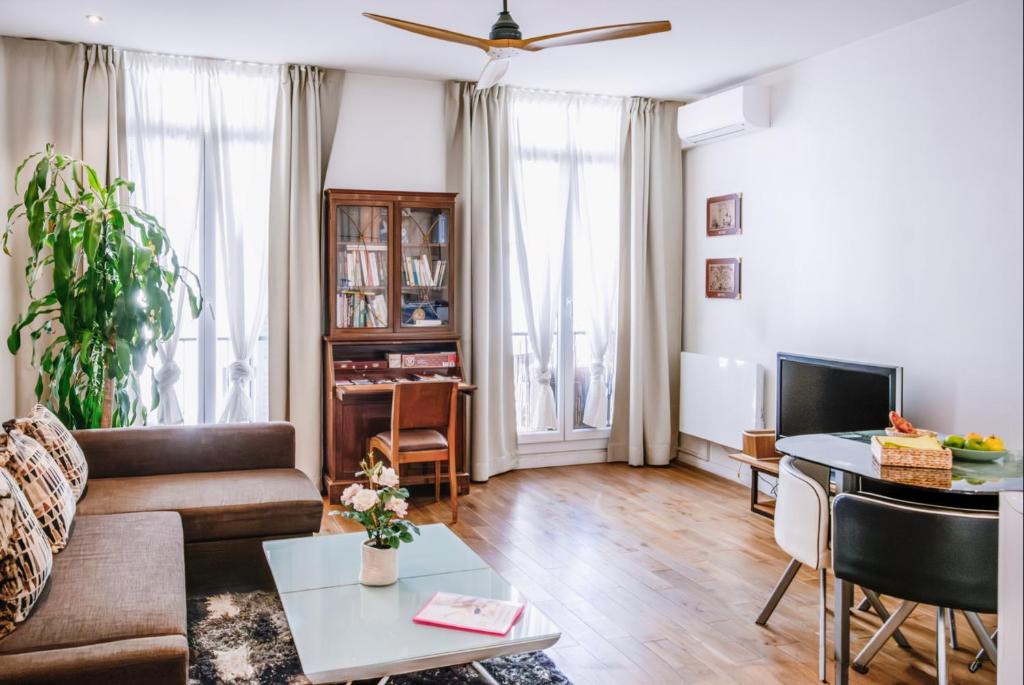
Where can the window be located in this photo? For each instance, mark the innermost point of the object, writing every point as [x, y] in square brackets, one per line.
[566, 185]
[198, 146]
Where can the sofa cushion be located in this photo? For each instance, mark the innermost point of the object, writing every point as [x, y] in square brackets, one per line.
[159, 660]
[218, 505]
[42, 482]
[120, 577]
[42, 426]
[26, 561]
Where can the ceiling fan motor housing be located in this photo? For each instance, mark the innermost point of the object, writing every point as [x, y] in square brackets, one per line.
[505, 28]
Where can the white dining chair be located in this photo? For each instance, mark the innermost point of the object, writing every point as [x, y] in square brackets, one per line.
[802, 531]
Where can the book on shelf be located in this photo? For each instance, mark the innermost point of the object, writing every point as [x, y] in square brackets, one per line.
[417, 271]
[366, 265]
[475, 614]
[356, 309]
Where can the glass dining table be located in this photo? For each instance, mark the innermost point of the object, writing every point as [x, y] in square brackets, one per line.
[849, 457]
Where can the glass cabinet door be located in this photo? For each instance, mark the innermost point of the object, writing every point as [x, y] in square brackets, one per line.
[361, 267]
[425, 262]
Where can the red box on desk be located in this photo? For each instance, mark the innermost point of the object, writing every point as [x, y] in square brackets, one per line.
[433, 360]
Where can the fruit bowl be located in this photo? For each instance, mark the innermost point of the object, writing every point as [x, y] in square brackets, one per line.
[977, 455]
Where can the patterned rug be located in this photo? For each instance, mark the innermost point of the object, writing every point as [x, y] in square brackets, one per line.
[237, 638]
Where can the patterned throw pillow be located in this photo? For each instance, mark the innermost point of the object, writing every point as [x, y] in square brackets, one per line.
[46, 429]
[42, 482]
[25, 557]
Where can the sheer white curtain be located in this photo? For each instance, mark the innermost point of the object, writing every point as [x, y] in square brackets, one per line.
[597, 126]
[565, 186]
[164, 148]
[199, 135]
[540, 187]
[242, 100]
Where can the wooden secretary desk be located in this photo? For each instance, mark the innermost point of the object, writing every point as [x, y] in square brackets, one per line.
[390, 315]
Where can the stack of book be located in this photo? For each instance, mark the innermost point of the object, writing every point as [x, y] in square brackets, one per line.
[417, 271]
[366, 265]
[361, 310]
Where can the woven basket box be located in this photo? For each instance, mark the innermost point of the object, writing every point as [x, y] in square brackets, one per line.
[914, 458]
[909, 475]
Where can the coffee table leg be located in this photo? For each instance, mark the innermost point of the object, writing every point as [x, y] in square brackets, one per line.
[488, 678]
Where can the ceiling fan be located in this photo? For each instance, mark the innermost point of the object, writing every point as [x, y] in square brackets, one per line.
[506, 41]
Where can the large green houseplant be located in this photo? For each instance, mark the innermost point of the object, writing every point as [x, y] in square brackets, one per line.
[109, 275]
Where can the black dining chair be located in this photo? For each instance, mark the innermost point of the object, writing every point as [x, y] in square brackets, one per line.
[922, 555]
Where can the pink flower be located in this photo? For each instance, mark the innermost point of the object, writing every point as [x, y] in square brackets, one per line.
[387, 478]
[350, 492]
[364, 500]
[399, 506]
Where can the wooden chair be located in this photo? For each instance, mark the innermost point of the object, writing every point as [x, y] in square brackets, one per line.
[423, 422]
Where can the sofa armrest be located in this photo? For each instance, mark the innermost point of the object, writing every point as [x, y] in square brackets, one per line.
[157, 450]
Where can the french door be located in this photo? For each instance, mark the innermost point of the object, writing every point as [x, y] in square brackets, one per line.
[566, 228]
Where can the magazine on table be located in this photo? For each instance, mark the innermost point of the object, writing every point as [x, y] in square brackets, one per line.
[475, 614]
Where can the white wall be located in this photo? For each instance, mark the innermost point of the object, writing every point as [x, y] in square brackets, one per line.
[7, 318]
[882, 219]
[390, 135]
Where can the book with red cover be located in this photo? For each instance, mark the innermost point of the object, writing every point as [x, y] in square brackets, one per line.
[475, 614]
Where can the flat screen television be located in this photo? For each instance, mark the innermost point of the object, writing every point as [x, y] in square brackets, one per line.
[815, 395]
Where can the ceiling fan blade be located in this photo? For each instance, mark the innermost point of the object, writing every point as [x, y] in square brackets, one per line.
[596, 34]
[431, 31]
[493, 72]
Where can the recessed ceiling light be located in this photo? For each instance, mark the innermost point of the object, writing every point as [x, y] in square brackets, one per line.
[94, 18]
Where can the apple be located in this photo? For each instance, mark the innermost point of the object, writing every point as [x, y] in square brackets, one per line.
[976, 444]
[954, 441]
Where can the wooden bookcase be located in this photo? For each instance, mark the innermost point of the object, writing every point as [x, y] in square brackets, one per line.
[389, 286]
[391, 265]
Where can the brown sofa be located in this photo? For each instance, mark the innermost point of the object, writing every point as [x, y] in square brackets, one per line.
[165, 509]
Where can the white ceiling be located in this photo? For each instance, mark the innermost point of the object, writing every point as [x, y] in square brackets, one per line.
[713, 43]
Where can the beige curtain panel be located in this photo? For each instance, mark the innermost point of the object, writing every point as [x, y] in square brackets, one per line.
[645, 405]
[478, 166]
[307, 115]
[56, 93]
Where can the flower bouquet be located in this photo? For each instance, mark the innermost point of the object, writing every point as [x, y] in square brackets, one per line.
[380, 507]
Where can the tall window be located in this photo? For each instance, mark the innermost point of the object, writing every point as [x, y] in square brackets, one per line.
[566, 185]
[198, 139]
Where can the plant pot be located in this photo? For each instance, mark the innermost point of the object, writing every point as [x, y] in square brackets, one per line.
[379, 566]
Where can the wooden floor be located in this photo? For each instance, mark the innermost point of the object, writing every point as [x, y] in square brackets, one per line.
[655, 575]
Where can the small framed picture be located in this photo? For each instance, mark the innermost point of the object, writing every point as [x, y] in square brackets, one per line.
[724, 215]
[722, 278]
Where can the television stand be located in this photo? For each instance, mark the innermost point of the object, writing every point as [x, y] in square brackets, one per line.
[768, 467]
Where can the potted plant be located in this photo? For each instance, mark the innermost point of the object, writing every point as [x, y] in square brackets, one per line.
[108, 276]
[380, 507]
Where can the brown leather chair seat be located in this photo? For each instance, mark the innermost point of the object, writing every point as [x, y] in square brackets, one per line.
[416, 439]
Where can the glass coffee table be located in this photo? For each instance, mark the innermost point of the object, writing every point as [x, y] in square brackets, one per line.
[345, 631]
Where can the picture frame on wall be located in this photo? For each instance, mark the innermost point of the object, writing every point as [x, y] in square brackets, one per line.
[724, 215]
[722, 278]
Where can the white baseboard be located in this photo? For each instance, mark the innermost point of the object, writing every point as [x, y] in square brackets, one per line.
[573, 458]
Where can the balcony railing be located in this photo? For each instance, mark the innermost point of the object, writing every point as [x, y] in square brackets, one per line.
[523, 362]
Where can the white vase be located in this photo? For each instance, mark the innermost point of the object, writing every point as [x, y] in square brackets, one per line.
[379, 567]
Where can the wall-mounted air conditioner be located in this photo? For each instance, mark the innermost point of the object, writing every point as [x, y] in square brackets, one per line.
[729, 113]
